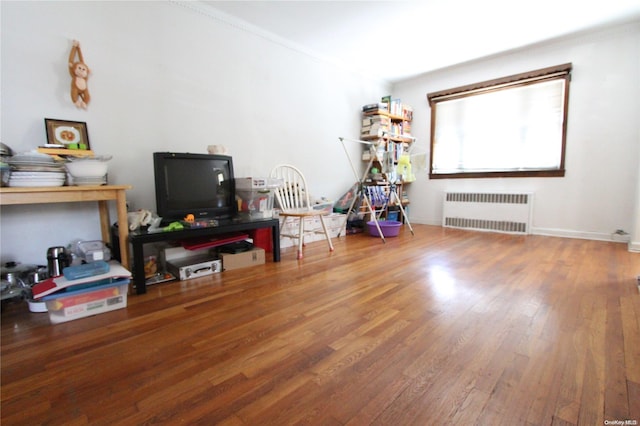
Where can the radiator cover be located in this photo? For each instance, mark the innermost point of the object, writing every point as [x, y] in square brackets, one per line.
[496, 212]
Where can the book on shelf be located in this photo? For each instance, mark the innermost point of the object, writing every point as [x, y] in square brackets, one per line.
[373, 131]
[375, 119]
[395, 107]
[386, 100]
[407, 112]
[377, 124]
[375, 107]
[390, 106]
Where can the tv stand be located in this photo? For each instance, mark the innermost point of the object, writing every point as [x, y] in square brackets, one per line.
[141, 237]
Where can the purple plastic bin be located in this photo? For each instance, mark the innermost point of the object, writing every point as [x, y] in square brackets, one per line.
[389, 228]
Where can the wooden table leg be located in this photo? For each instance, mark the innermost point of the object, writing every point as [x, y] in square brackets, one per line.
[103, 208]
[123, 229]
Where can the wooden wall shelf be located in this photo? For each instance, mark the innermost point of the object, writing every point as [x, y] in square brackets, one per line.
[63, 152]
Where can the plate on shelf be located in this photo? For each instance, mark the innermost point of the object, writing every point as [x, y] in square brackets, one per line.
[38, 174]
[32, 157]
[34, 163]
[67, 135]
[31, 166]
[30, 183]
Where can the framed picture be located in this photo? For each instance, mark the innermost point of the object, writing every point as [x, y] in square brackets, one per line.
[67, 134]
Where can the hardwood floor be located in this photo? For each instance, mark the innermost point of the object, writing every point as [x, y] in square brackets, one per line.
[448, 327]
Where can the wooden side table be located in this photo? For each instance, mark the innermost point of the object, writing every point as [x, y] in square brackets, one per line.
[74, 194]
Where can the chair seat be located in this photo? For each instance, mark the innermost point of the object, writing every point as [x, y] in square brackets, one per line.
[304, 212]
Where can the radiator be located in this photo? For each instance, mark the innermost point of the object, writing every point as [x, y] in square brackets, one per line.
[497, 212]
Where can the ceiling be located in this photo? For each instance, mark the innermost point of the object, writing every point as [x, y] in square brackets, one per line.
[395, 40]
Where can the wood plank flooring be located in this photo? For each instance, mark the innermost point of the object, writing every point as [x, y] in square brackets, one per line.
[444, 327]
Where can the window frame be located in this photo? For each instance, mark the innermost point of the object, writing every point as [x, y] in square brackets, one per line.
[557, 72]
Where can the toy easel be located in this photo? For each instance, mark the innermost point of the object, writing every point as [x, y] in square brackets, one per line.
[393, 194]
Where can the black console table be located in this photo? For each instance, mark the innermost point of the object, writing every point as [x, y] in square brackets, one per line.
[141, 237]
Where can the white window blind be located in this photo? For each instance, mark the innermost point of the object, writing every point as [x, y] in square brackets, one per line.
[505, 127]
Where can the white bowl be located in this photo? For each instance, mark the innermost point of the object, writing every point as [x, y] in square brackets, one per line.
[85, 168]
[37, 306]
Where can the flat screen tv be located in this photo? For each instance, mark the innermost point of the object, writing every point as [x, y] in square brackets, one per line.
[198, 184]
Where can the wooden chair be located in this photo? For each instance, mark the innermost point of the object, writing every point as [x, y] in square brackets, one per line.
[293, 199]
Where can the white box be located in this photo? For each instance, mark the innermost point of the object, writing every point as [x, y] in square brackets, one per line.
[336, 225]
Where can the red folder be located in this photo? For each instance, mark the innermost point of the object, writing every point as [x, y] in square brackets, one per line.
[207, 242]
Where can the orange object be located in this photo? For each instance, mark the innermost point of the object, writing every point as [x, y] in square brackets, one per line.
[189, 218]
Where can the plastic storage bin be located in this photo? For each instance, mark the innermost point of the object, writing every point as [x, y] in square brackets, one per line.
[87, 301]
[256, 194]
[92, 251]
[244, 183]
[393, 216]
[257, 202]
[325, 206]
[389, 228]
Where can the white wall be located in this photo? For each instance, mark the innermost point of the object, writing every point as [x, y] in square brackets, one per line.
[166, 78]
[170, 77]
[598, 194]
[634, 243]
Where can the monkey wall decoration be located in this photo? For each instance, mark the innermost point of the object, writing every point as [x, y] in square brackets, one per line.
[79, 75]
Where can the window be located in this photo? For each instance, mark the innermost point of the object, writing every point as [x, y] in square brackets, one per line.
[508, 127]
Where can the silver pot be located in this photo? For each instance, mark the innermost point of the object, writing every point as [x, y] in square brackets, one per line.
[15, 280]
[39, 274]
[24, 275]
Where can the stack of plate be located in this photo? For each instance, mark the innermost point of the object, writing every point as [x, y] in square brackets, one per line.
[35, 169]
[88, 181]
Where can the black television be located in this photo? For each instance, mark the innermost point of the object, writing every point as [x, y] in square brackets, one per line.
[198, 184]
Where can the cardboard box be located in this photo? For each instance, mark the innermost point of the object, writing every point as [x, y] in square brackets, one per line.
[253, 257]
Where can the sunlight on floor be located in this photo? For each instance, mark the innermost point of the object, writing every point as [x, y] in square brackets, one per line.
[442, 283]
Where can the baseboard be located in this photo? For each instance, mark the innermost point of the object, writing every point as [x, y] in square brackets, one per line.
[634, 246]
[552, 232]
[424, 221]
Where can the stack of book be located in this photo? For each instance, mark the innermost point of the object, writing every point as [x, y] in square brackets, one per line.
[375, 125]
[387, 117]
[376, 108]
[84, 290]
